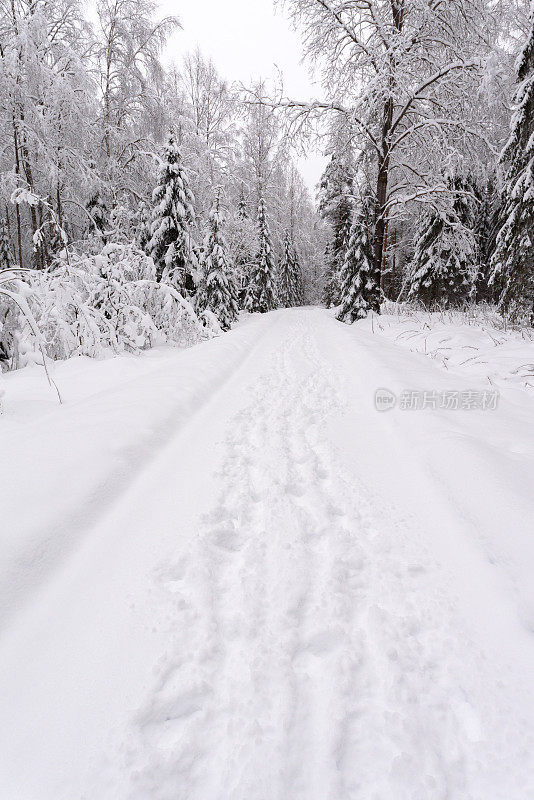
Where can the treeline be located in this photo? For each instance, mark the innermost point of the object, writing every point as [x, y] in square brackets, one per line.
[137, 202]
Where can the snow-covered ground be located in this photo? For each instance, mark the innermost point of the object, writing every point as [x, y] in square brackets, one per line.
[226, 576]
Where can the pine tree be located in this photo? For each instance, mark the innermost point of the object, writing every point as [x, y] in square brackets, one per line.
[513, 260]
[360, 286]
[6, 257]
[261, 290]
[216, 291]
[288, 276]
[172, 217]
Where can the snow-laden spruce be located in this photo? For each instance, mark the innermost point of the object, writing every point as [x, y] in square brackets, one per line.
[172, 217]
[444, 265]
[217, 291]
[98, 211]
[360, 286]
[298, 278]
[514, 256]
[261, 289]
[439, 276]
[289, 279]
[335, 206]
[244, 238]
[6, 257]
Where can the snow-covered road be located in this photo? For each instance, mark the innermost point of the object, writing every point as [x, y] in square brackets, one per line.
[295, 597]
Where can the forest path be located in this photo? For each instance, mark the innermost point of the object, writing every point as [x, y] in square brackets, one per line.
[293, 634]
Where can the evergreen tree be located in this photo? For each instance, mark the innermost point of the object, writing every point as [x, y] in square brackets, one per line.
[486, 229]
[244, 250]
[98, 212]
[288, 276]
[261, 290]
[142, 227]
[329, 276]
[242, 213]
[444, 263]
[216, 291]
[335, 206]
[299, 284]
[6, 257]
[172, 217]
[426, 268]
[514, 256]
[6, 307]
[360, 286]
[439, 274]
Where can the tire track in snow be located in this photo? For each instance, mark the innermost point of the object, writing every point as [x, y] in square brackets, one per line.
[312, 653]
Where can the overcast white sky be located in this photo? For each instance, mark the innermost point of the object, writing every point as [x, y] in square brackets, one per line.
[246, 39]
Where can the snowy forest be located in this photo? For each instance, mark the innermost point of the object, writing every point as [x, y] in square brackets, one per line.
[143, 203]
[267, 400]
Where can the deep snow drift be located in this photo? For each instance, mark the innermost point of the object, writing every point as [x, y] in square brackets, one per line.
[225, 575]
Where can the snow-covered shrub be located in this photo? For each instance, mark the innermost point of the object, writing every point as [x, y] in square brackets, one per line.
[91, 304]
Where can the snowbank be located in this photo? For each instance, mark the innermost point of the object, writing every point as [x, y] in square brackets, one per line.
[473, 344]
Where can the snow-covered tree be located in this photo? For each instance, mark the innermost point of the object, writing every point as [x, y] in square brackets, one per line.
[6, 257]
[97, 210]
[172, 217]
[129, 41]
[514, 256]
[261, 289]
[289, 281]
[403, 73]
[142, 227]
[243, 245]
[217, 292]
[486, 228]
[298, 280]
[440, 267]
[335, 206]
[360, 284]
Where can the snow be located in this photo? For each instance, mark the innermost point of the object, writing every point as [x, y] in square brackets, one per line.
[257, 585]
